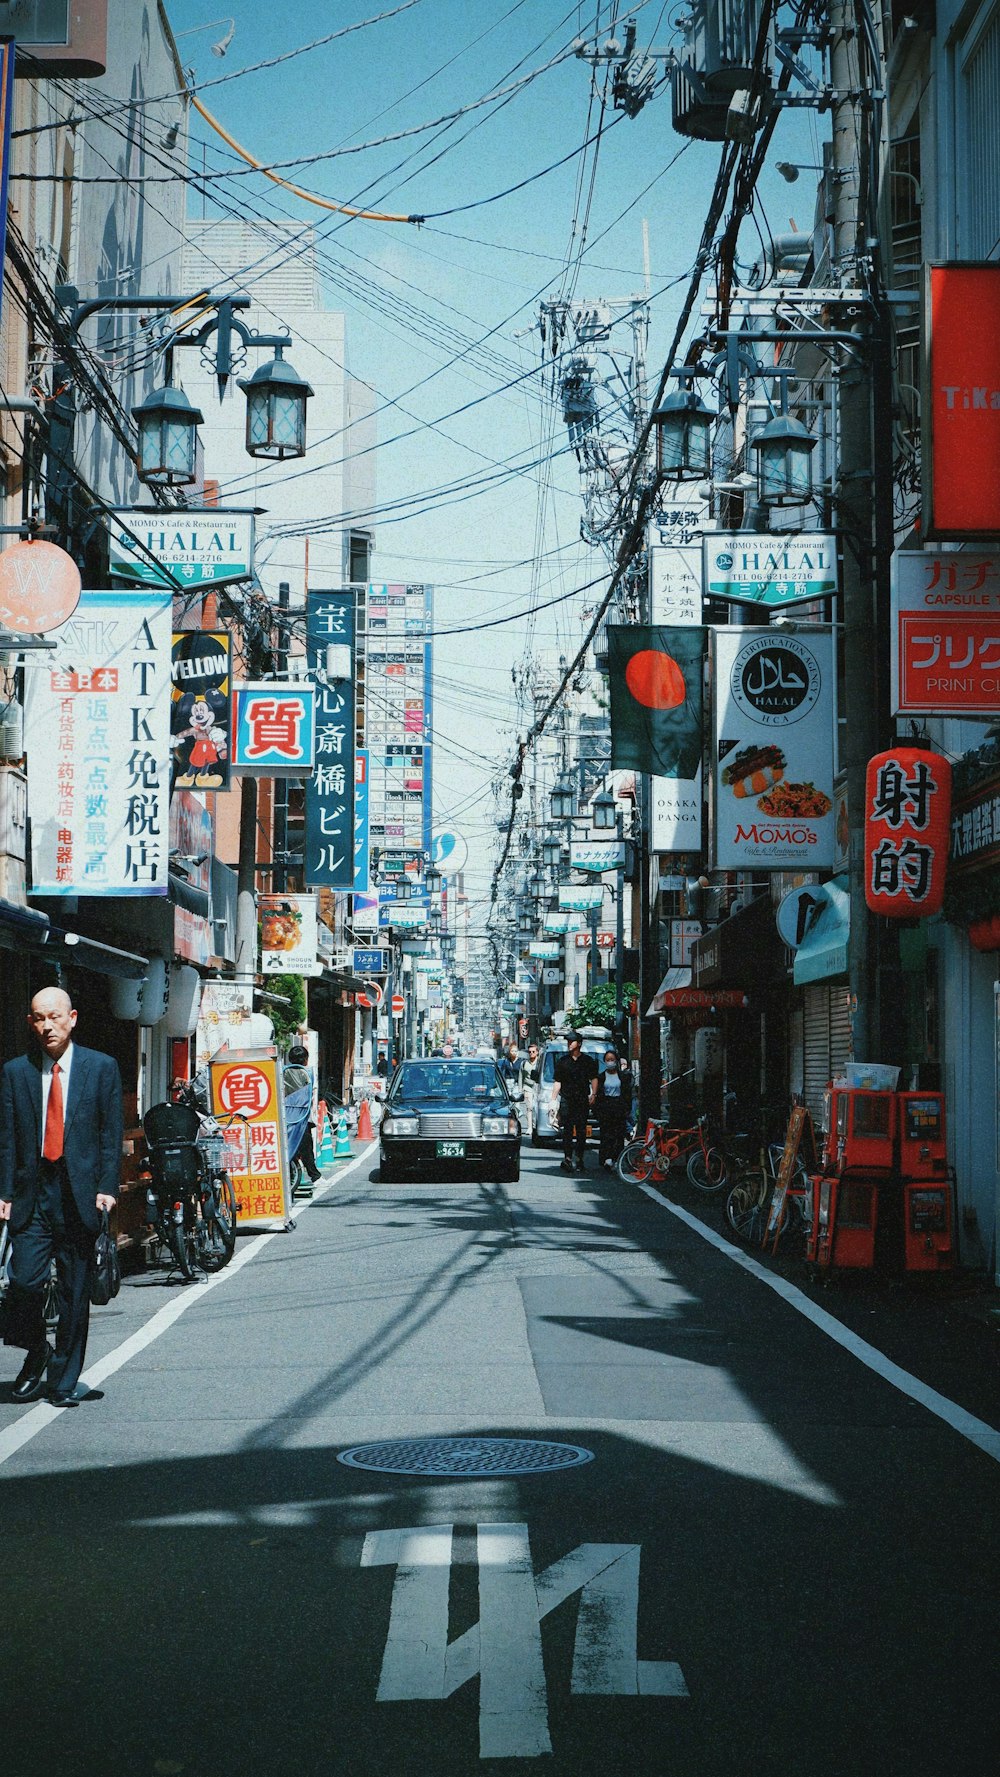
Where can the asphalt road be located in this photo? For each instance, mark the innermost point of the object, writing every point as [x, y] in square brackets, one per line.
[777, 1561]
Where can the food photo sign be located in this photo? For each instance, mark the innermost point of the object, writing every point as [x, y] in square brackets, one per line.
[289, 935]
[774, 748]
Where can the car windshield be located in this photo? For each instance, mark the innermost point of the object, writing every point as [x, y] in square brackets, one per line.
[421, 1083]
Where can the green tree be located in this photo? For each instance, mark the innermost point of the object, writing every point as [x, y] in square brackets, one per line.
[287, 1019]
[598, 1005]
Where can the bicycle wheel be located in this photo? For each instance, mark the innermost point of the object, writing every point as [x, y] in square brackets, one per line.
[636, 1162]
[181, 1243]
[746, 1205]
[218, 1226]
[707, 1169]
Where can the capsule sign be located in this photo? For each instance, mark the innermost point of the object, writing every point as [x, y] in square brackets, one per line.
[907, 815]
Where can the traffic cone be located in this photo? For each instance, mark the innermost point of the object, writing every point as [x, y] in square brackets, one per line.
[326, 1154]
[342, 1151]
[365, 1131]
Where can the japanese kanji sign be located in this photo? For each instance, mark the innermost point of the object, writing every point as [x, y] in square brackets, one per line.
[362, 822]
[192, 546]
[97, 735]
[247, 1096]
[398, 717]
[908, 795]
[675, 597]
[946, 632]
[787, 569]
[273, 726]
[975, 828]
[330, 833]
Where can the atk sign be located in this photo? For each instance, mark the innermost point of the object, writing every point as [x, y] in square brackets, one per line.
[274, 729]
[946, 632]
[503, 1650]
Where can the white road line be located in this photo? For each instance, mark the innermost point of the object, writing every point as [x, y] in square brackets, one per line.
[416, 1647]
[513, 1704]
[976, 1431]
[37, 1418]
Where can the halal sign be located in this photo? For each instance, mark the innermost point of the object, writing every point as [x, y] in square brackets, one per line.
[775, 681]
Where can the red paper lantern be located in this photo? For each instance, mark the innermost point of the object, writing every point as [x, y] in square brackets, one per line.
[907, 815]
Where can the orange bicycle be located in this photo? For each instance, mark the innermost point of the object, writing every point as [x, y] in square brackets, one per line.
[663, 1146]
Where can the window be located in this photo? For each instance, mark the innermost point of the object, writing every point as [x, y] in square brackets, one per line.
[979, 75]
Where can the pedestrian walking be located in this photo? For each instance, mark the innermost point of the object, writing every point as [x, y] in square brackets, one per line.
[297, 1083]
[613, 1103]
[532, 1082]
[511, 1068]
[61, 1126]
[572, 1098]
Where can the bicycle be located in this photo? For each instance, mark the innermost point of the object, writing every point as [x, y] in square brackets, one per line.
[190, 1200]
[750, 1199]
[663, 1145]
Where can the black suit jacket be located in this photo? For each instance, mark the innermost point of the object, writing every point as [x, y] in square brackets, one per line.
[93, 1126]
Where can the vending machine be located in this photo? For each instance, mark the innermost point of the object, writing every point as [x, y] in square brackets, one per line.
[925, 1183]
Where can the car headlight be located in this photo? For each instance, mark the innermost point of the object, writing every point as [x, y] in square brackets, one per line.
[394, 1125]
[498, 1125]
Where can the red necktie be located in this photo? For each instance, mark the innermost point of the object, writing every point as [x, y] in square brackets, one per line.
[52, 1146]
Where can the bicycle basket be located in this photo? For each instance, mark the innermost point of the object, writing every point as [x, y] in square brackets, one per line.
[214, 1149]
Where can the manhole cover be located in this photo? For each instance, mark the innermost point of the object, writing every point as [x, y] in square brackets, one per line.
[465, 1456]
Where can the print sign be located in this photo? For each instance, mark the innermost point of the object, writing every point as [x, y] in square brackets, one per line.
[97, 738]
[774, 749]
[946, 632]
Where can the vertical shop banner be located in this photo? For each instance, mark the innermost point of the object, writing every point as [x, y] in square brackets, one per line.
[656, 674]
[962, 356]
[247, 1098]
[675, 597]
[329, 844]
[192, 844]
[199, 710]
[398, 713]
[362, 840]
[7, 57]
[97, 736]
[774, 728]
[289, 935]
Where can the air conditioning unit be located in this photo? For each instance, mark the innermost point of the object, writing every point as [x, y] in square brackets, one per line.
[342, 960]
[13, 835]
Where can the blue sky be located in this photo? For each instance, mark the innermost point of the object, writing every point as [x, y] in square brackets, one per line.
[446, 314]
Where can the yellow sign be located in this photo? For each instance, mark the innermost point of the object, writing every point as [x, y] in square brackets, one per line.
[248, 1100]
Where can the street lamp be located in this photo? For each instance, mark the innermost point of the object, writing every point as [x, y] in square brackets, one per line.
[276, 410]
[603, 813]
[168, 438]
[683, 426]
[563, 798]
[784, 447]
[551, 850]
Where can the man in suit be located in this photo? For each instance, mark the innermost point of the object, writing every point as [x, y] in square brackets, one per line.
[61, 1126]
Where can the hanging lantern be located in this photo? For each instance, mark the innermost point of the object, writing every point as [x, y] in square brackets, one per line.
[603, 814]
[683, 436]
[784, 471]
[168, 438]
[907, 827]
[276, 410]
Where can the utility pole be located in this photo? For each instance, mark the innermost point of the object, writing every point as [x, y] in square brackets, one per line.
[855, 512]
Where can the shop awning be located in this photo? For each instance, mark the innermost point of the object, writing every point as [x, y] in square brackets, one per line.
[25, 928]
[822, 954]
[672, 980]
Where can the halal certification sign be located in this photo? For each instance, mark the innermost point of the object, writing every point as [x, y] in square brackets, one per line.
[775, 681]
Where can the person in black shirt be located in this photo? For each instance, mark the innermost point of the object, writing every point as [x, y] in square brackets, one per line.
[576, 1077]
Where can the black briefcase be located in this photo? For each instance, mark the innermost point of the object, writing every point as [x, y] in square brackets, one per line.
[105, 1272]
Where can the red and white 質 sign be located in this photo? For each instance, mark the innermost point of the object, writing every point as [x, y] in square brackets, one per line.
[946, 632]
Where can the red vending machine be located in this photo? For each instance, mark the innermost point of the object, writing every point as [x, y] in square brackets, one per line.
[925, 1183]
[859, 1161]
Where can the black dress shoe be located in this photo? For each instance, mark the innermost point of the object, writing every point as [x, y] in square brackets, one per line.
[565, 1166]
[30, 1381]
[72, 1397]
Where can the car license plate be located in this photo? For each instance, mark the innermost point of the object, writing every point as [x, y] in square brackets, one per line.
[451, 1150]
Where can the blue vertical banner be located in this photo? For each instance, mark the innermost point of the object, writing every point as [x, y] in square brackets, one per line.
[362, 824]
[329, 842]
[7, 53]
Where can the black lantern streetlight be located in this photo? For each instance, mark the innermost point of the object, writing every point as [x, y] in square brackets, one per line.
[168, 438]
[603, 814]
[563, 798]
[784, 447]
[683, 426]
[276, 410]
[551, 848]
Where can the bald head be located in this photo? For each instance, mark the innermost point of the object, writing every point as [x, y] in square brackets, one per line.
[52, 1019]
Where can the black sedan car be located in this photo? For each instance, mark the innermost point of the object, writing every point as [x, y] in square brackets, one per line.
[449, 1116]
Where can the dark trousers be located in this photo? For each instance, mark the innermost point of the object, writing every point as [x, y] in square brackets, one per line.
[613, 1120]
[54, 1231]
[306, 1154]
[573, 1118]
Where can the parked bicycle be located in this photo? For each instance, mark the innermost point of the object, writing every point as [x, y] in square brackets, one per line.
[663, 1146]
[751, 1195]
[190, 1200]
